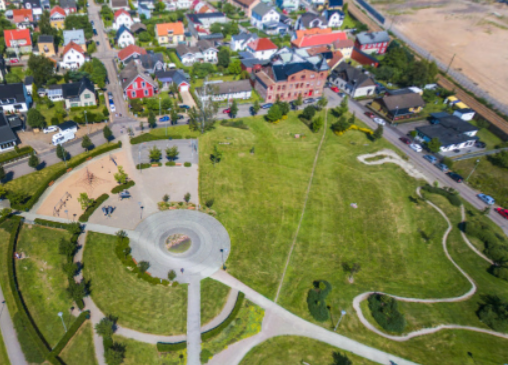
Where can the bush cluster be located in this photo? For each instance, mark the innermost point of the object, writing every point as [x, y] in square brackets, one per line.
[122, 187]
[171, 163]
[316, 300]
[385, 311]
[494, 313]
[187, 164]
[74, 228]
[96, 204]
[234, 124]
[234, 313]
[143, 166]
[452, 197]
[170, 347]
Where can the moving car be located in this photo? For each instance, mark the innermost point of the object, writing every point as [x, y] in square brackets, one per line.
[405, 140]
[226, 111]
[164, 119]
[430, 158]
[416, 147]
[50, 129]
[184, 106]
[379, 121]
[487, 199]
[112, 106]
[455, 176]
[335, 89]
[267, 106]
[370, 114]
[442, 167]
[503, 212]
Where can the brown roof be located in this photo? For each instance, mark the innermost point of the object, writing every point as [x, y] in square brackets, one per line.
[137, 27]
[267, 80]
[317, 50]
[133, 71]
[245, 3]
[343, 43]
[403, 101]
[335, 60]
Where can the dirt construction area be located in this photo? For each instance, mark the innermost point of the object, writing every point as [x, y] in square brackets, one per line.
[475, 32]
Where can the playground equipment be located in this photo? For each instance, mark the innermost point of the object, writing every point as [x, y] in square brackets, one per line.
[89, 181]
[61, 203]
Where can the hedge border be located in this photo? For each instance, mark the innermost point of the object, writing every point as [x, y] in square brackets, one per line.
[76, 325]
[22, 152]
[122, 187]
[147, 137]
[44, 222]
[45, 183]
[91, 209]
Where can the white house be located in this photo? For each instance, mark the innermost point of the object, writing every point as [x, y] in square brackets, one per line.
[262, 15]
[73, 56]
[122, 18]
[311, 21]
[240, 89]
[183, 4]
[14, 98]
[204, 51]
[124, 37]
[335, 18]
[353, 81]
[262, 48]
[464, 114]
[239, 42]
[452, 132]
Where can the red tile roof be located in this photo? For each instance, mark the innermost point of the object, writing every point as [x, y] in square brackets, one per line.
[121, 11]
[19, 15]
[17, 35]
[318, 39]
[129, 51]
[262, 44]
[312, 31]
[74, 46]
[57, 10]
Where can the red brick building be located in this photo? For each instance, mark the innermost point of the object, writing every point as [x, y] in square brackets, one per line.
[136, 84]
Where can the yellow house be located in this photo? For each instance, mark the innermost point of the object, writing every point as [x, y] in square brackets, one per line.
[170, 33]
[46, 45]
[57, 17]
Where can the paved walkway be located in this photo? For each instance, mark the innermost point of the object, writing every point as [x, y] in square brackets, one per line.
[194, 322]
[16, 356]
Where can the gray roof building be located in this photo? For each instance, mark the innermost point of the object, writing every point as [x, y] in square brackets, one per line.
[262, 9]
[76, 35]
[403, 101]
[46, 39]
[74, 90]
[65, 4]
[6, 133]
[310, 20]
[372, 37]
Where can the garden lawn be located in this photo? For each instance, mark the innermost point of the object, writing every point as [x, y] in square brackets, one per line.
[490, 139]
[296, 350]
[139, 305]
[137, 353]
[80, 349]
[225, 78]
[213, 298]
[42, 280]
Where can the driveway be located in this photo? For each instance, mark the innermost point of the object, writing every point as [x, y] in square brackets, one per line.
[188, 99]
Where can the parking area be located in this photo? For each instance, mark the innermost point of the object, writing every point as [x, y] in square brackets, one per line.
[187, 148]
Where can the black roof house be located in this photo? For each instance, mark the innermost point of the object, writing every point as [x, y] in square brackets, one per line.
[74, 90]
[449, 129]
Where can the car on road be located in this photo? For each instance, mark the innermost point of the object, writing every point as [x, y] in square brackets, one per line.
[455, 176]
[13, 60]
[184, 106]
[487, 199]
[405, 140]
[502, 212]
[50, 129]
[335, 89]
[442, 167]
[342, 95]
[180, 116]
[308, 101]
[379, 121]
[226, 111]
[480, 144]
[369, 114]
[112, 107]
[164, 119]
[267, 106]
[91, 22]
[97, 43]
[430, 158]
[416, 147]
[110, 95]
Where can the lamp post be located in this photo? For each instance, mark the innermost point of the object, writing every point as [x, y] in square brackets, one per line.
[2, 310]
[86, 121]
[222, 254]
[67, 213]
[60, 314]
[342, 314]
[141, 210]
[474, 168]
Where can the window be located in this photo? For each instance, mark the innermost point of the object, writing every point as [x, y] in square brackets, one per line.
[146, 92]
[87, 96]
[74, 104]
[303, 77]
[312, 76]
[133, 94]
[135, 85]
[143, 83]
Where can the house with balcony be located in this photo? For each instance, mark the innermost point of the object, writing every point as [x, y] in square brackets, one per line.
[355, 82]
[57, 17]
[203, 51]
[79, 94]
[122, 17]
[262, 48]
[264, 17]
[170, 33]
[310, 21]
[136, 84]
[240, 89]
[73, 57]
[46, 45]
[18, 41]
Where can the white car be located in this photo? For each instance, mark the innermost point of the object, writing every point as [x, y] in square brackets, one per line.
[379, 121]
[112, 107]
[416, 147]
[50, 129]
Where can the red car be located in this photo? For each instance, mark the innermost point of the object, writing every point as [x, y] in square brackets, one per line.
[503, 212]
[405, 140]
[335, 89]
[14, 60]
[226, 111]
[369, 114]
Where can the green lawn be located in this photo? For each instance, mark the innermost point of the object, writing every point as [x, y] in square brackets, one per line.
[42, 280]
[139, 305]
[225, 78]
[4, 359]
[137, 353]
[296, 350]
[80, 350]
[490, 139]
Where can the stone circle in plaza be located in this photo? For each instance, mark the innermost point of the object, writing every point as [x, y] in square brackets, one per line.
[186, 241]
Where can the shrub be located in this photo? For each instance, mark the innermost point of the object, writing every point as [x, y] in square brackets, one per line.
[234, 313]
[453, 198]
[500, 272]
[147, 137]
[143, 166]
[71, 332]
[385, 311]
[494, 313]
[496, 248]
[122, 187]
[16, 154]
[205, 355]
[91, 209]
[316, 300]
[171, 163]
[170, 347]
[74, 228]
[187, 164]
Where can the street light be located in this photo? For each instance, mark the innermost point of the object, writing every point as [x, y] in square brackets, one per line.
[67, 213]
[342, 314]
[60, 314]
[141, 210]
[3, 305]
[474, 168]
[222, 254]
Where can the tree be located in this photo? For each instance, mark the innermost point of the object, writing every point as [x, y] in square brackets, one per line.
[77, 291]
[385, 311]
[45, 25]
[235, 67]
[106, 327]
[434, 145]
[187, 197]
[61, 153]
[115, 354]
[274, 114]
[66, 247]
[322, 103]
[316, 300]
[233, 110]
[107, 133]
[309, 112]
[500, 159]
[284, 107]
[494, 313]
[85, 201]
[298, 102]
[344, 10]
[216, 156]
[151, 119]
[343, 107]
[91, 48]
[35, 119]
[70, 268]
[172, 153]
[378, 133]
[482, 124]
[173, 116]
[166, 103]
[42, 69]
[143, 266]
[171, 275]
[338, 358]
[86, 143]
[165, 198]
[341, 125]
[317, 124]
[2, 173]
[155, 153]
[216, 28]
[75, 21]
[145, 37]
[121, 176]
[33, 161]
[351, 269]
[255, 107]
[223, 57]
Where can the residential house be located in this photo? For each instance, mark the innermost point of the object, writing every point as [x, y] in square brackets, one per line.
[206, 20]
[452, 132]
[79, 94]
[77, 36]
[203, 51]
[307, 39]
[73, 56]
[35, 6]
[252, 64]
[8, 139]
[23, 18]
[372, 42]
[18, 41]
[144, 10]
[401, 106]
[136, 84]
[29, 82]
[124, 37]
[240, 89]
[152, 62]
[311, 20]
[2, 5]
[46, 5]
[205, 9]
[333, 58]
[353, 81]
[14, 98]
[300, 33]
[239, 42]
[288, 5]
[334, 18]
[245, 5]
[334, 4]
[69, 6]
[138, 28]
[364, 59]
[319, 4]
[46, 45]
[122, 18]
[266, 18]
[466, 114]
[57, 17]
[53, 92]
[262, 48]
[130, 53]
[181, 4]
[119, 4]
[170, 33]
[173, 77]
[345, 46]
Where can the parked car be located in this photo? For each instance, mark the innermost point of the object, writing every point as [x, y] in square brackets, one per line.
[112, 107]
[184, 106]
[164, 119]
[430, 158]
[370, 114]
[180, 116]
[502, 212]
[480, 144]
[416, 147]
[226, 111]
[50, 129]
[487, 199]
[405, 140]
[266, 106]
[442, 167]
[335, 89]
[379, 121]
[14, 60]
[308, 101]
[91, 22]
[110, 95]
[455, 176]
[341, 94]
[97, 43]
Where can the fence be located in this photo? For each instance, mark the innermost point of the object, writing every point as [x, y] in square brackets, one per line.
[371, 11]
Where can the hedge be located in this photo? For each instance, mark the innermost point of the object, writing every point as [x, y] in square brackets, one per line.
[122, 187]
[76, 325]
[187, 164]
[147, 137]
[217, 330]
[385, 311]
[45, 183]
[170, 347]
[71, 227]
[453, 198]
[16, 154]
[143, 166]
[171, 163]
[96, 204]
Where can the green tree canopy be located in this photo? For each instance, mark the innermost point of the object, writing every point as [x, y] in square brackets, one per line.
[42, 68]
[35, 119]
[274, 113]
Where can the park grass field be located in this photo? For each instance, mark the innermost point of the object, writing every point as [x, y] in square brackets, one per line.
[42, 280]
[80, 350]
[296, 350]
[139, 305]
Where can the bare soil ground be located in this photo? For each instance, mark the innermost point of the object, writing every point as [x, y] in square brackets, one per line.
[476, 32]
